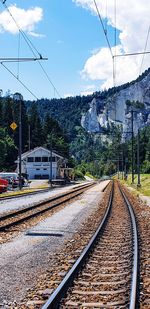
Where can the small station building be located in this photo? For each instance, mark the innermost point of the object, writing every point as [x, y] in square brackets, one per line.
[41, 163]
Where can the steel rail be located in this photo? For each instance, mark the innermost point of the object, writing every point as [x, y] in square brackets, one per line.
[36, 205]
[76, 192]
[22, 194]
[133, 294]
[19, 195]
[66, 282]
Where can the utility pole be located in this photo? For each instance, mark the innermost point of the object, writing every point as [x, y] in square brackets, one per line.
[132, 146]
[50, 162]
[122, 163]
[138, 158]
[125, 169]
[19, 98]
[118, 166]
[29, 127]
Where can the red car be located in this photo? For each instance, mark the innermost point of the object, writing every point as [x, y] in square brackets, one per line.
[3, 185]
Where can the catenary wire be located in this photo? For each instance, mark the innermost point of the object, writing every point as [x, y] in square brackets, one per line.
[105, 32]
[18, 64]
[147, 37]
[132, 54]
[32, 48]
[19, 81]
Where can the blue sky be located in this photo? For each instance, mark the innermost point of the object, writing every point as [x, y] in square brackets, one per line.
[69, 34]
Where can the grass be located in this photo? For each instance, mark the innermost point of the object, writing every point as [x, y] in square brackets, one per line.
[91, 176]
[145, 184]
[24, 191]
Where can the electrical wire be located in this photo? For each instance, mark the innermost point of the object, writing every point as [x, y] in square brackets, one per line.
[114, 59]
[19, 81]
[105, 32]
[18, 67]
[147, 37]
[106, 18]
[11, 59]
[31, 47]
[132, 54]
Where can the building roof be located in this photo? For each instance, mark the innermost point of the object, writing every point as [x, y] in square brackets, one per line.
[28, 153]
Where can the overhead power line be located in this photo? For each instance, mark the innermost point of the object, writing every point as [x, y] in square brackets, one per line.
[147, 37]
[24, 59]
[132, 54]
[16, 77]
[29, 43]
[32, 48]
[105, 32]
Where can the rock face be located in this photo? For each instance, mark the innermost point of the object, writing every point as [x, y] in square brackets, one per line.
[90, 120]
[117, 108]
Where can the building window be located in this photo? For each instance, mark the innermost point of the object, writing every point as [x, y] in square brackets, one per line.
[30, 159]
[53, 159]
[37, 159]
[44, 159]
[45, 169]
[37, 169]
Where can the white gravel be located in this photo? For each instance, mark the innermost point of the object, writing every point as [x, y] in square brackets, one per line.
[22, 201]
[26, 255]
[145, 199]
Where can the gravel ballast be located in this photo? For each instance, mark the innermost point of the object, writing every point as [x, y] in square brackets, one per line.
[28, 200]
[26, 257]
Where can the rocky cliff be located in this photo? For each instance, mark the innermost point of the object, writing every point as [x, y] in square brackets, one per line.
[116, 107]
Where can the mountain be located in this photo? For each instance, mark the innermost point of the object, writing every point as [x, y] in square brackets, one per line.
[95, 113]
[116, 107]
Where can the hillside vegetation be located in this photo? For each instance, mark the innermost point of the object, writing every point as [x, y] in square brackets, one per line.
[56, 123]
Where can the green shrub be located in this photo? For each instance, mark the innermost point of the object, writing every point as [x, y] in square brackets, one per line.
[78, 174]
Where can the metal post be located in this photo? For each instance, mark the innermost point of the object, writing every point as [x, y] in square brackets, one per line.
[132, 147]
[50, 180]
[20, 144]
[125, 169]
[118, 166]
[19, 98]
[29, 136]
[122, 163]
[138, 158]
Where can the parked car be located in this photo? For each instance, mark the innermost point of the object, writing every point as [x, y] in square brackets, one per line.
[3, 185]
[12, 178]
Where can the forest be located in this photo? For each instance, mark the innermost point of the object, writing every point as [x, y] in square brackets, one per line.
[94, 153]
[35, 132]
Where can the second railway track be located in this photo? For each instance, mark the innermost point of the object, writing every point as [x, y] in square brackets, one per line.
[17, 217]
[107, 267]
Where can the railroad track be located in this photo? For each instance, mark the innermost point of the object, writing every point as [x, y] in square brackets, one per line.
[19, 195]
[15, 218]
[22, 193]
[105, 275]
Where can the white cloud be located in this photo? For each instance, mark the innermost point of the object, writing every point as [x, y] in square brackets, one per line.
[25, 19]
[132, 20]
[68, 95]
[85, 93]
[37, 35]
[88, 89]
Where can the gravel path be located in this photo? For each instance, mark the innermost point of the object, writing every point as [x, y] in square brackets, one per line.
[22, 201]
[24, 258]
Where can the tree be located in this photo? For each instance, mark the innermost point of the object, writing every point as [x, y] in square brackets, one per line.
[8, 150]
[35, 127]
[54, 136]
[8, 114]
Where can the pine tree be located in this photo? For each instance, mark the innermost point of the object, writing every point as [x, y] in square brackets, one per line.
[35, 127]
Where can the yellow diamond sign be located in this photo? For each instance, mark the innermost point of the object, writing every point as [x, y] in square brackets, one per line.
[13, 126]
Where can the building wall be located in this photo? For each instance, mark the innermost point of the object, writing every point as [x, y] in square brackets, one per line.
[41, 171]
[40, 165]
